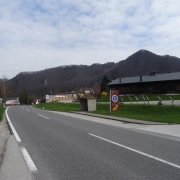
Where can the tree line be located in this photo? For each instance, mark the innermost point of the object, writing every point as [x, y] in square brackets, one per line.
[6, 91]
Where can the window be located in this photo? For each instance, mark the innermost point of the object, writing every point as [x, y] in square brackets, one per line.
[157, 87]
[171, 87]
[133, 88]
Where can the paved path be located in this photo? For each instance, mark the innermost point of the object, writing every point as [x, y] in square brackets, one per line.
[160, 128]
[12, 165]
[126, 120]
[4, 135]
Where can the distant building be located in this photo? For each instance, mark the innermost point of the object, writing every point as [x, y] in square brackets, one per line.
[154, 83]
[61, 96]
[87, 91]
[45, 82]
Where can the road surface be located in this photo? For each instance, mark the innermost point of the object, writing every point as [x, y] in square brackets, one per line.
[69, 147]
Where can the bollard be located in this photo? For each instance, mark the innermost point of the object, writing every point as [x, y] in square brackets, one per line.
[130, 99]
[147, 99]
[136, 99]
[172, 100]
[160, 102]
[122, 100]
[144, 100]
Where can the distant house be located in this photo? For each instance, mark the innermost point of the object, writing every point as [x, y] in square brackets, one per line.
[67, 94]
[154, 83]
[61, 97]
[87, 91]
[45, 82]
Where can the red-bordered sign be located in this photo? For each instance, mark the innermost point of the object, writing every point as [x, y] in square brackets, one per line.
[114, 100]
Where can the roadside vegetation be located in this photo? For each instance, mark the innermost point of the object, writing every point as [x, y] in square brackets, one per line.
[1, 112]
[156, 113]
[55, 106]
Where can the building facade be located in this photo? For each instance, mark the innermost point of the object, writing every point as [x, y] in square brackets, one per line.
[167, 83]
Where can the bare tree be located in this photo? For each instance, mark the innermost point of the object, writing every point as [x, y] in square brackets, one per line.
[4, 87]
[97, 90]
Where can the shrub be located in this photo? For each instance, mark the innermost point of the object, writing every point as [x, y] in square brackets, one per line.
[104, 94]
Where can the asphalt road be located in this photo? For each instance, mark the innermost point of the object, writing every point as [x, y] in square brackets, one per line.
[66, 147]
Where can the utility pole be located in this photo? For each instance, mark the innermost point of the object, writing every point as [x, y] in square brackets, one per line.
[4, 88]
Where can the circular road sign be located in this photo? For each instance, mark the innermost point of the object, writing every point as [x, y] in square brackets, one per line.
[114, 98]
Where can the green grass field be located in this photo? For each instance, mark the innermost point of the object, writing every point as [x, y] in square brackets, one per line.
[54, 106]
[1, 112]
[168, 114]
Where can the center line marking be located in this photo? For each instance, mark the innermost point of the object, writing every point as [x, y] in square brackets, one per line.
[139, 152]
[43, 116]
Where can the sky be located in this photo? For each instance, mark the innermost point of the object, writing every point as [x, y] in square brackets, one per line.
[41, 34]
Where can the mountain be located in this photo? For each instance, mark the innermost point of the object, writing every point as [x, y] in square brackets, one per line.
[144, 62]
[73, 77]
[59, 79]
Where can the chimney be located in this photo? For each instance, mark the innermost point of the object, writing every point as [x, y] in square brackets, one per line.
[153, 73]
[119, 80]
[140, 77]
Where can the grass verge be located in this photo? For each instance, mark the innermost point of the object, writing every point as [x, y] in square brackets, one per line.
[1, 113]
[58, 106]
[155, 113]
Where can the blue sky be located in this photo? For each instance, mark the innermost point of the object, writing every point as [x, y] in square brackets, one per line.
[40, 34]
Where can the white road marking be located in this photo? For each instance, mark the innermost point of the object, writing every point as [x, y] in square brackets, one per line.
[12, 128]
[27, 110]
[43, 116]
[28, 160]
[139, 152]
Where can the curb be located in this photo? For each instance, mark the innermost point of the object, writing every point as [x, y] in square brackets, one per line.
[13, 165]
[125, 120]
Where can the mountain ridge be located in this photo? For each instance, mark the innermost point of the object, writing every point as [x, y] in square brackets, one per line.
[73, 77]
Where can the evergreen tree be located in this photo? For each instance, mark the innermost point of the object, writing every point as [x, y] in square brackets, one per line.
[105, 81]
[23, 97]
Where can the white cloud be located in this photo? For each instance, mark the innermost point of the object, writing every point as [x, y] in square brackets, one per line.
[39, 34]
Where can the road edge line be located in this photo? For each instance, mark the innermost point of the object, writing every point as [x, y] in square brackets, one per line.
[12, 127]
[32, 167]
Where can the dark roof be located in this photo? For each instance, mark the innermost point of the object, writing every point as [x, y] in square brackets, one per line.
[147, 78]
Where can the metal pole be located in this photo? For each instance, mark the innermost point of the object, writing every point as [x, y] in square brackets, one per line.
[4, 90]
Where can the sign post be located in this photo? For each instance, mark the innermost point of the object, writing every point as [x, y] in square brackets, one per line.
[114, 100]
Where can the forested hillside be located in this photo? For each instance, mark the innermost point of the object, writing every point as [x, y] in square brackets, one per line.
[68, 78]
[144, 62]
[60, 79]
